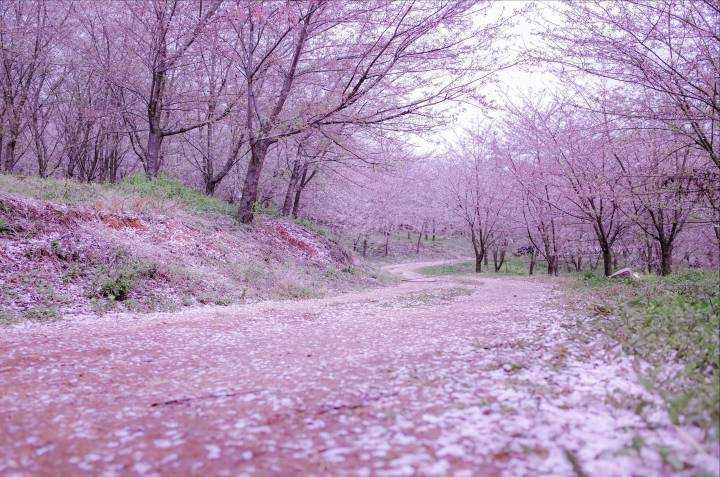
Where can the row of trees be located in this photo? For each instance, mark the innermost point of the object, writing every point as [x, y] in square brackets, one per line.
[208, 89]
[313, 104]
[618, 164]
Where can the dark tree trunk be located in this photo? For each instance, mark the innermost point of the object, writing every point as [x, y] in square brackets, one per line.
[291, 193]
[246, 208]
[552, 265]
[153, 159]
[666, 258]
[531, 267]
[607, 261]
[417, 246]
[365, 245]
[387, 240]
[356, 242]
[303, 181]
[498, 259]
[9, 155]
[478, 262]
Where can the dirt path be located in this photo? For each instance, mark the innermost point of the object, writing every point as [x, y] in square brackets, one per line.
[433, 376]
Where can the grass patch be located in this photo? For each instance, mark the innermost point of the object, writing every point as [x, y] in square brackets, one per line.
[41, 314]
[118, 284]
[172, 189]
[448, 269]
[512, 266]
[313, 227]
[672, 323]
[70, 192]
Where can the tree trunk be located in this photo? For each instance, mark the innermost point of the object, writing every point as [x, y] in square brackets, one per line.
[365, 245]
[666, 258]
[387, 240]
[478, 262]
[417, 247]
[303, 181]
[290, 194]
[607, 261]
[552, 265]
[153, 158]
[246, 208]
[531, 268]
[9, 155]
[498, 259]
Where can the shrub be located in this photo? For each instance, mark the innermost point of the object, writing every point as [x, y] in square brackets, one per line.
[117, 287]
[260, 209]
[4, 227]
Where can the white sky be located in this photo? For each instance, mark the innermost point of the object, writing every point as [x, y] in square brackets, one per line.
[508, 83]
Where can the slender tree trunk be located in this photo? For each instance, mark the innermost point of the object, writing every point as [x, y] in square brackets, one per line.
[365, 246]
[387, 240]
[258, 151]
[417, 247]
[498, 259]
[290, 194]
[531, 268]
[300, 187]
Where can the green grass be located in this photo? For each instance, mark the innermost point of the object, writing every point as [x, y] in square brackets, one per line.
[166, 188]
[313, 227]
[71, 192]
[512, 266]
[672, 323]
[55, 190]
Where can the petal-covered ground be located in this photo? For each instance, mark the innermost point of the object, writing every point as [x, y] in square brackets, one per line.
[449, 376]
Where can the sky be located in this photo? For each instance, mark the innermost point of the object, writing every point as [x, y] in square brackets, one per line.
[506, 84]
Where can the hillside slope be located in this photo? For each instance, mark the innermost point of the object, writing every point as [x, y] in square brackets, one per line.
[69, 248]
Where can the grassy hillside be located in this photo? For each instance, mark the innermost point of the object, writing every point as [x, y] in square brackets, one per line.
[71, 248]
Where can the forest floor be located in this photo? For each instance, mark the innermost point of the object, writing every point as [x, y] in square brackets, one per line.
[450, 375]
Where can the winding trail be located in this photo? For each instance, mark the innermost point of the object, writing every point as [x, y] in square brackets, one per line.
[433, 376]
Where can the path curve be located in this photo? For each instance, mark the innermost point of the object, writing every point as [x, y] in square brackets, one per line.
[443, 376]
